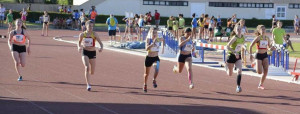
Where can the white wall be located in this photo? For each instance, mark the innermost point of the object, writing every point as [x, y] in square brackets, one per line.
[79, 2]
[119, 7]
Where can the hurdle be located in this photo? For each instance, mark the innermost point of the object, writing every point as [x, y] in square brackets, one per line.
[206, 45]
[279, 57]
[296, 74]
[169, 40]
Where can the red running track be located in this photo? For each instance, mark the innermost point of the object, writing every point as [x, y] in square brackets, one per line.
[54, 83]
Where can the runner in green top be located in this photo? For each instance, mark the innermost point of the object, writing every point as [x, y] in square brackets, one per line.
[170, 23]
[181, 22]
[234, 47]
[278, 34]
[9, 20]
[181, 25]
[175, 27]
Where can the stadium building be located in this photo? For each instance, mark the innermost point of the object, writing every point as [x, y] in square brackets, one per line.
[260, 9]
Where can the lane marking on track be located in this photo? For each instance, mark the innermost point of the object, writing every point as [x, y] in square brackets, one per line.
[31, 102]
[80, 98]
[175, 60]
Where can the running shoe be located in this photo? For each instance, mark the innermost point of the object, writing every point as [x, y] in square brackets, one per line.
[145, 88]
[20, 78]
[174, 69]
[238, 89]
[261, 87]
[191, 86]
[154, 84]
[88, 88]
[253, 64]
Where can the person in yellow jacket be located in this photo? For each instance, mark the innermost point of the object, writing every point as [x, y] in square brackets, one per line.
[201, 26]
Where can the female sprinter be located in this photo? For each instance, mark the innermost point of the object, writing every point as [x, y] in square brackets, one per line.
[46, 20]
[152, 47]
[17, 45]
[234, 47]
[244, 31]
[185, 58]
[86, 44]
[262, 45]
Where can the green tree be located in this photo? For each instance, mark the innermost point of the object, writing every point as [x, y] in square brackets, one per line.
[65, 2]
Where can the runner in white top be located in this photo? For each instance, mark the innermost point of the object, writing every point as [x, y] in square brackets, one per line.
[46, 21]
[2, 14]
[153, 43]
[244, 31]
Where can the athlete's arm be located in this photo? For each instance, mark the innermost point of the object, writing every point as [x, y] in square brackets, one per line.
[252, 44]
[99, 41]
[149, 46]
[270, 44]
[10, 39]
[29, 41]
[163, 46]
[79, 42]
[183, 42]
[230, 43]
[246, 29]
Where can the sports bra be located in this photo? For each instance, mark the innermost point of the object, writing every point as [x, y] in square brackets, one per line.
[46, 18]
[155, 47]
[19, 38]
[89, 41]
[188, 46]
[262, 44]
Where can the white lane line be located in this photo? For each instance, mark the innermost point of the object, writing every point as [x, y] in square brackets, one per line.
[174, 60]
[83, 99]
[31, 102]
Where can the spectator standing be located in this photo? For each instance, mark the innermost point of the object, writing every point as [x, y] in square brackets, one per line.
[157, 18]
[112, 23]
[93, 14]
[2, 14]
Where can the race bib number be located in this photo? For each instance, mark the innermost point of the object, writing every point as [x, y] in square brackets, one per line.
[263, 44]
[188, 47]
[238, 48]
[19, 38]
[88, 42]
[155, 47]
